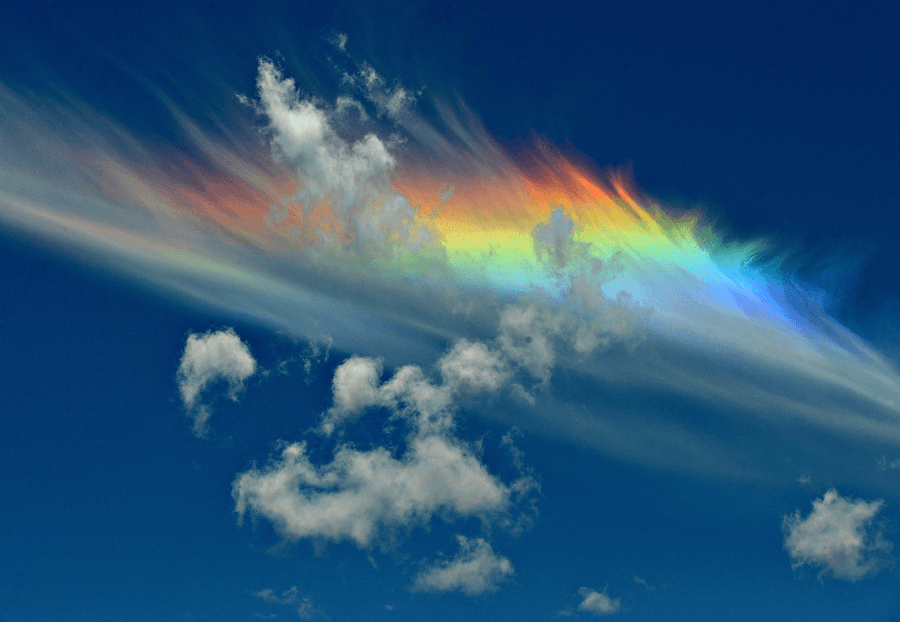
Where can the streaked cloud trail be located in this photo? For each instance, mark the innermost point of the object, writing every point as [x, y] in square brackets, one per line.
[392, 234]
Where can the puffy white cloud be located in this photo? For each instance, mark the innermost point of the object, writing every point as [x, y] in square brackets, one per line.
[472, 366]
[598, 603]
[364, 496]
[355, 387]
[352, 178]
[839, 536]
[207, 359]
[476, 569]
[469, 367]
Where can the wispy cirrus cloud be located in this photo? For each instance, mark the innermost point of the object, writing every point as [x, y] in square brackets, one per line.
[339, 222]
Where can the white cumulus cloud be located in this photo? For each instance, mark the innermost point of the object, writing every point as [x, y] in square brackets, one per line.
[353, 179]
[839, 536]
[355, 387]
[209, 358]
[476, 569]
[472, 366]
[364, 496]
[598, 603]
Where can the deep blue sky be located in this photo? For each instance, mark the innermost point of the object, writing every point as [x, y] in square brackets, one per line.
[780, 121]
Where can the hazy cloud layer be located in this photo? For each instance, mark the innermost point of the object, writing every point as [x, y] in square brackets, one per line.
[744, 342]
[475, 569]
[840, 536]
[209, 358]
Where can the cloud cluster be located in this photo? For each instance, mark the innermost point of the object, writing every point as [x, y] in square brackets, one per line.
[363, 496]
[209, 358]
[469, 368]
[351, 179]
[475, 570]
[839, 536]
[533, 335]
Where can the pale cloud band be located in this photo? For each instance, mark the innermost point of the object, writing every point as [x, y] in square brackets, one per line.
[747, 357]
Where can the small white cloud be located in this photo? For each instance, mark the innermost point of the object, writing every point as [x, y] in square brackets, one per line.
[287, 597]
[472, 366]
[339, 40]
[352, 179]
[306, 610]
[316, 354]
[839, 536]
[355, 388]
[207, 359]
[598, 603]
[475, 570]
[445, 193]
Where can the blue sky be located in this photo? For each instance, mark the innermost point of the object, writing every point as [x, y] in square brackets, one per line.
[202, 423]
